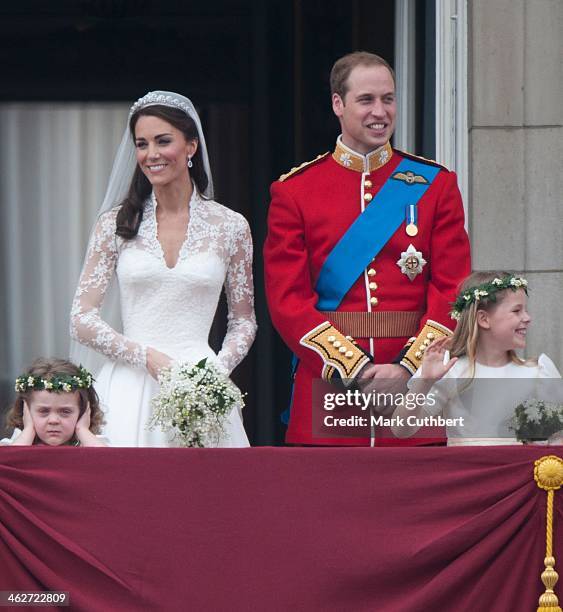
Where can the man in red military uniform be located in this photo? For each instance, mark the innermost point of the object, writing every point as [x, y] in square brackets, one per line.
[365, 250]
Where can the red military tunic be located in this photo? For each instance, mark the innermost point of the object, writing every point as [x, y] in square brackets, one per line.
[311, 208]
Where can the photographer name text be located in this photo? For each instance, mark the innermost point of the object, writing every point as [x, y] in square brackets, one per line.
[398, 421]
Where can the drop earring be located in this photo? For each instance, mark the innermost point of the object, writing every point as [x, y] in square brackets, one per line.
[190, 162]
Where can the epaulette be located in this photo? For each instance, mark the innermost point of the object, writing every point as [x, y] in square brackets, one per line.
[424, 160]
[304, 165]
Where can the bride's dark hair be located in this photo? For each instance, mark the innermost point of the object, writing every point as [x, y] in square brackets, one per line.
[130, 213]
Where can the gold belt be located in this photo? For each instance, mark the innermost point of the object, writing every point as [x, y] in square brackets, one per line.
[380, 324]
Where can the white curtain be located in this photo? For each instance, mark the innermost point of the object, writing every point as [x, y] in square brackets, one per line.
[55, 160]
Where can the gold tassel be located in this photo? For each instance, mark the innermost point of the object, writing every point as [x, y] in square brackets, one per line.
[548, 474]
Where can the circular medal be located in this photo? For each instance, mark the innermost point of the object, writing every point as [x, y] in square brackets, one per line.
[412, 230]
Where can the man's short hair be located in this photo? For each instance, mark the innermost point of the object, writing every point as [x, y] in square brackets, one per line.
[344, 66]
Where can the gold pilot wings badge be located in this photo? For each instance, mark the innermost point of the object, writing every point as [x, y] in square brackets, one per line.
[410, 178]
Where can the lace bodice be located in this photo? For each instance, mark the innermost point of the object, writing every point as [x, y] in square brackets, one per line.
[170, 309]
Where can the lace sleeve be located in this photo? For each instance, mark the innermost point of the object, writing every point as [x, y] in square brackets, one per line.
[239, 288]
[86, 325]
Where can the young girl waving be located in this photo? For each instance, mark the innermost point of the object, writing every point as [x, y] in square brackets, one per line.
[493, 322]
[55, 405]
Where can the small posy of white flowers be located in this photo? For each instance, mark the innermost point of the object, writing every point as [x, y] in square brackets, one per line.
[48, 385]
[536, 419]
[497, 281]
[194, 403]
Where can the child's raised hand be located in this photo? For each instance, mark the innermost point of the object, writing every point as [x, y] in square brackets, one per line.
[83, 423]
[433, 366]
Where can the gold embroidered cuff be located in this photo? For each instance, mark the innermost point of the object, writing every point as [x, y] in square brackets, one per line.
[430, 332]
[337, 351]
[328, 372]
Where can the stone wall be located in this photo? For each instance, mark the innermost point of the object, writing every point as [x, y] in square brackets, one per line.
[516, 152]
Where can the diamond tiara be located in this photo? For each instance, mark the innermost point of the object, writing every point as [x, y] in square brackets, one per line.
[155, 98]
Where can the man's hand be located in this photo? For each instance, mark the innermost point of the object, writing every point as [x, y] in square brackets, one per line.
[383, 378]
[391, 371]
[388, 378]
[365, 375]
[372, 373]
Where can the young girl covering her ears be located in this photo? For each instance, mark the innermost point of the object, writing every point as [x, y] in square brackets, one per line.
[493, 320]
[55, 405]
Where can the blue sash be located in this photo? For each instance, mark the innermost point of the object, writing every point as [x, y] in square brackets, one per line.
[371, 231]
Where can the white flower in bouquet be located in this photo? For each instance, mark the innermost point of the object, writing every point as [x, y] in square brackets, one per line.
[533, 411]
[194, 402]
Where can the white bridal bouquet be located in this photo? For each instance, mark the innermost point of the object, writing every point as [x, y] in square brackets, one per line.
[194, 402]
[537, 420]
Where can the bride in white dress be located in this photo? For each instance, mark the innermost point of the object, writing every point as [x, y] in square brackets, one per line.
[171, 249]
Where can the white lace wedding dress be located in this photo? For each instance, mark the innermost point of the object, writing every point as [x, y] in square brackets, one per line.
[169, 309]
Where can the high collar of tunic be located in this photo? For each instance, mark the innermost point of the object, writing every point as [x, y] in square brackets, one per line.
[351, 160]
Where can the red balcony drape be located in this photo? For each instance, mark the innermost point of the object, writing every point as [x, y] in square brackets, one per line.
[389, 529]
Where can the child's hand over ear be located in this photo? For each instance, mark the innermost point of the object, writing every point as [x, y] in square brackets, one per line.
[27, 420]
[83, 433]
[27, 436]
[83, 423]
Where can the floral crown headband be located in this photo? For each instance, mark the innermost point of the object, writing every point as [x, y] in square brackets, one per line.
[487, 290]
[58, 382]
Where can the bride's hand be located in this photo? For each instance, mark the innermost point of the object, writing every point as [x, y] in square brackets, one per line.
[156, 361]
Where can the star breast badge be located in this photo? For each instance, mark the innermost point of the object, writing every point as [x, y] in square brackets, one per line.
[411, 262]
